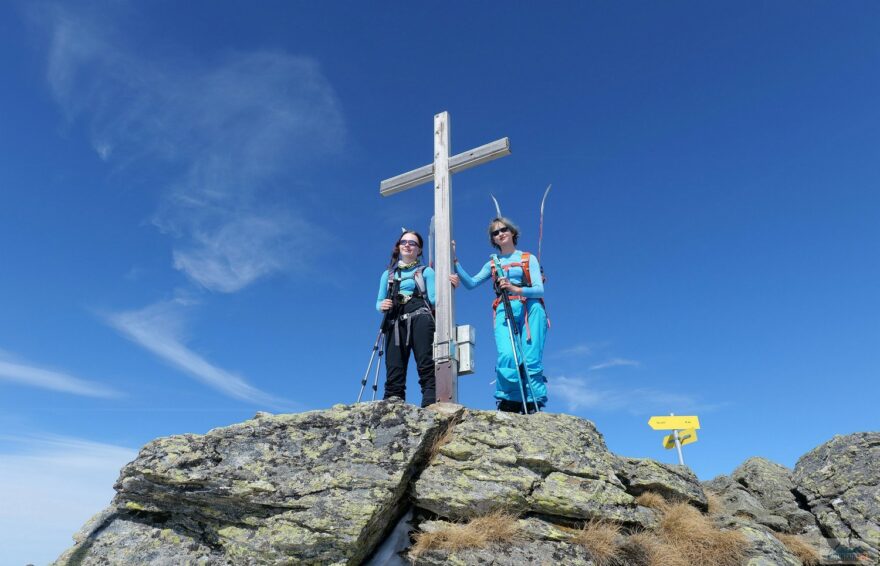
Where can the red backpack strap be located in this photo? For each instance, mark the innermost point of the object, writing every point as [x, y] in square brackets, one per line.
[527, 277]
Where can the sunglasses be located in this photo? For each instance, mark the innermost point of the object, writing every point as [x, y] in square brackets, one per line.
[408, 243]
[500, 231]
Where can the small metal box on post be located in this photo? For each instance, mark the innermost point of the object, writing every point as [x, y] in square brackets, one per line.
[466, 341]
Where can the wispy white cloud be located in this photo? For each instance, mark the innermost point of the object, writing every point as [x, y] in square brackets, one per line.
[229, 132]
[582, 350]
[576, 350]
[25, 373]
[615, 362]
[577, 393]
[50, 486]
[159, 329]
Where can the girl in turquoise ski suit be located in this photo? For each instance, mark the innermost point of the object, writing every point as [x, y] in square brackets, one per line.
[528, 313]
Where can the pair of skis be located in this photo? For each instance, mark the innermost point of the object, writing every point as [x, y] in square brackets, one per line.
[498, 212]
[540, 224]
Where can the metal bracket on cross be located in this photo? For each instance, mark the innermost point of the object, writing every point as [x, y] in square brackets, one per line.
[684, 431]
[446, 363]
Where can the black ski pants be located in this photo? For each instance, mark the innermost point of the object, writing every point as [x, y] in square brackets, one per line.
[421, 341]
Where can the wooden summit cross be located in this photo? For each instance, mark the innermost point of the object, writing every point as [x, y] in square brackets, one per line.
[445, 363]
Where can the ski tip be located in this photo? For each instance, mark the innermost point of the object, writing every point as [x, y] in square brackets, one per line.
[544, 198]
[497, 206]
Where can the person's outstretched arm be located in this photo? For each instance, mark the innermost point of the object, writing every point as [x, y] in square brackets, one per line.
[478, 279]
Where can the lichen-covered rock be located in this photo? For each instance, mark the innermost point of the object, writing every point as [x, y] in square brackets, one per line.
[674, 483]
[324, 487]
[771, 485]
[538, 542]
[553, 464]
[531, 552]
[762, 548]
[737, 501]
[841, 483]
[583, 498]
[123, 540]
[318, 487]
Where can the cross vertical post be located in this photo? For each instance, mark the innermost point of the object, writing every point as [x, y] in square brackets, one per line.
[440, 172]
[445, 364]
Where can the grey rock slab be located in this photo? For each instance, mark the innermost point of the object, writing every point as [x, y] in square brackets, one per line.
[841, 483]
[581, 498]
[528, 554]
[737, 501]
[320, 487]
[553, 464]
[764, 549]
[772, 486]
[674, 483]
[123, 541]
[539, 542]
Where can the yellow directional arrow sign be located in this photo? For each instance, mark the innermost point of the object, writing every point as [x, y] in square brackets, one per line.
[684, 437]
[674, 423]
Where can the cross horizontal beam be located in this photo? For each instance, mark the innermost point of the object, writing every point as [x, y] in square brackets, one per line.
[460, 162]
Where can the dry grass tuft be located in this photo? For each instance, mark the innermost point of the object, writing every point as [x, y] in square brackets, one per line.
[441, 441]
[685, 537]
[655, 551]
[716, 507]
[498, 526]
[805, 552]
[653, 500]
[600, 538]
[697, 539]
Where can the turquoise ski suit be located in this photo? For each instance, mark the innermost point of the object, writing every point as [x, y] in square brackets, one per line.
[532, 336]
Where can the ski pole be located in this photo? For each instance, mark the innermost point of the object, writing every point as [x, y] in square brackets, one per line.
[513, 330]
[372, 356]
[390, 291]
[378, 365]
[522, 391]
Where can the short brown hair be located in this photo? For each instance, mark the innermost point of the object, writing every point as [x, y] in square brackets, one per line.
[510, 225]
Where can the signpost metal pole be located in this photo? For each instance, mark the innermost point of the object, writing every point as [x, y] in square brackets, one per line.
[677, 443]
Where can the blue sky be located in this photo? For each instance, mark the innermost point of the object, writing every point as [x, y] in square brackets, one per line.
[192, 231]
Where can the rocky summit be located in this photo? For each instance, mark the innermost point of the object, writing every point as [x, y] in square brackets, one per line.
[375, 483]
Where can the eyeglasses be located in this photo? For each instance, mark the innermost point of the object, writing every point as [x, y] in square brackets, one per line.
[500, 231]
[408, 243]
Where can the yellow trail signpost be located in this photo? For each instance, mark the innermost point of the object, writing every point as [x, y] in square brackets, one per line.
[684, 431]
[684, 437]
[672, 422]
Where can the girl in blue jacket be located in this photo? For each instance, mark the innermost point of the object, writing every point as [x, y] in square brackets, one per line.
[520, 275]
[406, 293]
